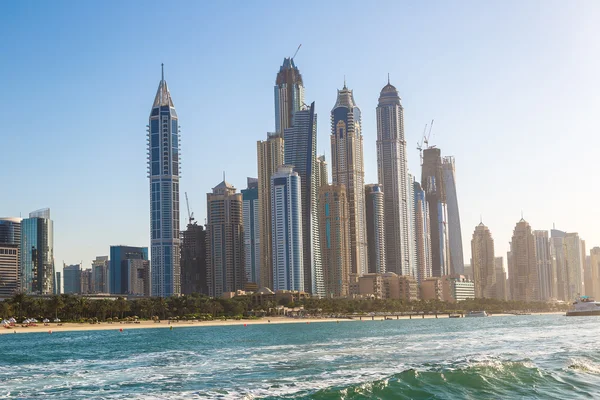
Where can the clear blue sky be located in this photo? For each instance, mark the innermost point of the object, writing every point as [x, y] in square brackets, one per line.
[512, 85]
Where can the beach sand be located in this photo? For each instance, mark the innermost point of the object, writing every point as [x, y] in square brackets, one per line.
[104, 326]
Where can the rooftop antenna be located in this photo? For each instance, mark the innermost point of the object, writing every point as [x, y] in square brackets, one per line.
[298, 49]
[388, 78]
[162, 71]
[480, 219]
[223, 176]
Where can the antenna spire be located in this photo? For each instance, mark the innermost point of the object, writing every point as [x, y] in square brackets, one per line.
[162, 71]
[345, 82]
[223, 176]
[388, 78]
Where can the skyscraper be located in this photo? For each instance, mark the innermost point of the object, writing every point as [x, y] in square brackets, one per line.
[376, 238]
[270, 157]
[225, 240]
[335, 239]
[523, 274]
[193, 259]
[72, 277]
[432, 181]
[37, 253]
[348, 170]
[543, 260]
[10, 241]
[119, 273]
[392, 171]
[574, 264]
[251, 232]
[457, 263]
[322, 173]
[421, 231]
[163, 171]
[483, 262]
[300, 143]
[501, 289]
[559, 265]
[289, 94]
[286, 211]
[595, 272]
[100, 268]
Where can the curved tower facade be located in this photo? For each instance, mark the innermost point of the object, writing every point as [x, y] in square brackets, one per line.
[289, 94]
[348, 170]
[393, 176]
[455, 245]
[163, 171]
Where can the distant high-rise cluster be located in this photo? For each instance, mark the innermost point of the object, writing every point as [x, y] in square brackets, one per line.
[295, 228]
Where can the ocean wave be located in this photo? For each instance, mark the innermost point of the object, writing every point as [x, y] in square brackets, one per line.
[466, 380]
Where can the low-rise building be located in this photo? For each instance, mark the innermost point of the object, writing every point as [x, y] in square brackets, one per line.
[384, 286]
[432, 289]
[457, 288]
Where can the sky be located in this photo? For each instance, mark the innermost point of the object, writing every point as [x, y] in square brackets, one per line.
[512, 86]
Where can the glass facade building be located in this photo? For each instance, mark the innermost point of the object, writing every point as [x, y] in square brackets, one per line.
[37, 253]
[119, 267]
[164, 171]
[72, 277]
[10, 241]
[455, 245]
[251, 231]
[286, 211]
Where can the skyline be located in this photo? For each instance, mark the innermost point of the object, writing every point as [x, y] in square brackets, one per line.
[111, 208]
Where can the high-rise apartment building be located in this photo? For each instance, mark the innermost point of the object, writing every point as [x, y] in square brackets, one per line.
[225, 240]
[193, 260]
[501, 285]
[543, 258]
[270, 155]
[588, 284]
[57, 283]
[335, 239]
[138, 273]
[595, 272]
[392, 172]
[300, 143]
[559, 264]
[37, 253]
[574, 264]
[119, 274]
[376, 220]
[421, 234]
[250, 211]
[348, 170]
[523, 274]
[164, 172]
[100, 271]
[454, 231]
[10, 241]
[432, 182]
[72, 279]
[286, 225]
[289, 95]
[322, 173]
[87, 281]
[483, 262]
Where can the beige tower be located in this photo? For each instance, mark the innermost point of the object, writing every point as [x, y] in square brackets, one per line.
[348, 169]
[322, 175]
[335, 239]
[224, 240]
[523, 274]
[482, 260]
[270, 157]
[595, 272]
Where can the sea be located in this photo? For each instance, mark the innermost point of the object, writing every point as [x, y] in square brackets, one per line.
[503, 357]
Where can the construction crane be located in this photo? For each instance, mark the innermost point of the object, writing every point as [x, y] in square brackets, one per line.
[298, 49]
[190, 214]
[426, 139]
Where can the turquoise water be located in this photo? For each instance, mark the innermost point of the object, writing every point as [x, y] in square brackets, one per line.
[550, 357]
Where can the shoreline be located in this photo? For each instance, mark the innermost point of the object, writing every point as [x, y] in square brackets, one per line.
[105, 326]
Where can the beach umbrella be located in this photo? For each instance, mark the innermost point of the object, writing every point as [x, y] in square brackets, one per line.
[12, 320]
[46, 320]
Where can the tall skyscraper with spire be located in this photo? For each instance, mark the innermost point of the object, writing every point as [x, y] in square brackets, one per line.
[483, 262]
[163, 171]
[289, 94]
[300, 144]
[393, 176]
[522, 267]
[348, 170]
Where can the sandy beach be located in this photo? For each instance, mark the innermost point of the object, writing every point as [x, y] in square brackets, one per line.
[103, 326]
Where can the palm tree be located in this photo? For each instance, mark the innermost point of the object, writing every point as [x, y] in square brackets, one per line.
[5, 309]
[56, 304]
[19, 300]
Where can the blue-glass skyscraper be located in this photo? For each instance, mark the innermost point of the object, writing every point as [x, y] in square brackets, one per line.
[119, 273]
[286, 211]
[36, 256]
[163, 171]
